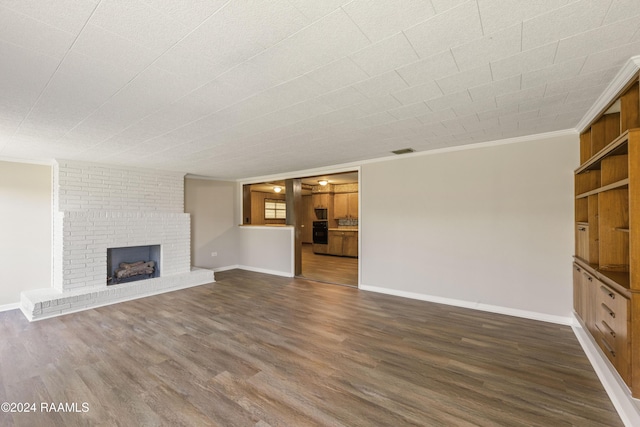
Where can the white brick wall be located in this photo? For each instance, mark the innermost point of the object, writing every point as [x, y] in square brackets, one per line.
[97, 207]
[82, 257]
[88, 186]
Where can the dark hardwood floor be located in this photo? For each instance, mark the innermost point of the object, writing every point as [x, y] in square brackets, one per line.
[260, 350]
[329, 268]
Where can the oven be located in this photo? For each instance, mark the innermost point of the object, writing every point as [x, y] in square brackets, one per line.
[320, 232]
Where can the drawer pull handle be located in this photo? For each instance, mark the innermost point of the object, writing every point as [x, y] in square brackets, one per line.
[611, 313]
[608, 292]
[611, 331]
[589, 278]
[578, 269]
[609, 349]
[582, 229]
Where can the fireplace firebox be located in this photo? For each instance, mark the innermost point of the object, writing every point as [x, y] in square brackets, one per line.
[133, 263]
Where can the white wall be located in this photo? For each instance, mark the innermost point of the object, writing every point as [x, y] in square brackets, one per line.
[214, 222]
[25, 229]
[489, 226]
[214, 207]
[267, 249]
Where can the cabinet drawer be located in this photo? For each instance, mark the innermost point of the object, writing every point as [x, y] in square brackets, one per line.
[617, 351]
[615, 339]
[610, 350]
[612, 299]
[612, 309]
[612, 327]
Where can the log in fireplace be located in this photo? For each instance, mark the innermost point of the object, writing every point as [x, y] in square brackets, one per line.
[133, 263]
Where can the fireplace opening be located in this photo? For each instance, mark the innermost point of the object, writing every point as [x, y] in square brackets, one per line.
[133, 263]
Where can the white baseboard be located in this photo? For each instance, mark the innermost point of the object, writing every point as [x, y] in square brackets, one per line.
[266, 271]
[543, 317]
[254, 269]
[228, 267]
[628, 408]
[7, 307]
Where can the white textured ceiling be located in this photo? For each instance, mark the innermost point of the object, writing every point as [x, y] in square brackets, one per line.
[240, 88]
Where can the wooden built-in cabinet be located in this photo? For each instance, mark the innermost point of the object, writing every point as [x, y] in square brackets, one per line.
[345, 205]
[343, 243]
[606, 274]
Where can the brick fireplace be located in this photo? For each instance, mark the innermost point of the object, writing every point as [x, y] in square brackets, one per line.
[97, 207]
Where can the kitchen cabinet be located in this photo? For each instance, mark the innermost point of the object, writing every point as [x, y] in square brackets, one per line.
[343, 243]
[321, 201]
[345, 205]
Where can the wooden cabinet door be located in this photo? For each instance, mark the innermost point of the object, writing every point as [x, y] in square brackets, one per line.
[341, 205]
[578, 300]
[353, 205]
[588, 301]
[320, 201]
[335, 242]
[582, 241]
[350, 244]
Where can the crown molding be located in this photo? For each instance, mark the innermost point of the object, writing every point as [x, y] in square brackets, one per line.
[42, 162]
[617, 84]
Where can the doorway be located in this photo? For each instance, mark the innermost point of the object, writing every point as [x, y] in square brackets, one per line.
[329, 228]
[324, 210]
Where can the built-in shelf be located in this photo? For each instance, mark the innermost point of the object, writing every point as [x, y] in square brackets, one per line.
[617, 147]
[606, 257]
[617, 279]
[619, 184]
[612, 277]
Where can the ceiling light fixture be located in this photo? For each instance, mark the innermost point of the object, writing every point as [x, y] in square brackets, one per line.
[323, 182]
[277, 189]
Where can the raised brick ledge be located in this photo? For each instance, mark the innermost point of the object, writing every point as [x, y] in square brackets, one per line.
[40, 304]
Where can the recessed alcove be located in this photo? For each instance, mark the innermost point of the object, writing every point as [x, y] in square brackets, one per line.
[117, 257]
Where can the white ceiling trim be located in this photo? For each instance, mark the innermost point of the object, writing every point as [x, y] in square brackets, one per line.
[43, 162]
[206, 178]
[617, 84]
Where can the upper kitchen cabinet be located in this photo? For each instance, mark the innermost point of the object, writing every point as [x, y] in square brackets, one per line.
[322, 200]
[345, 205]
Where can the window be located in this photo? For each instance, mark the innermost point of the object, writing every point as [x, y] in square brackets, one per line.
[275, 209]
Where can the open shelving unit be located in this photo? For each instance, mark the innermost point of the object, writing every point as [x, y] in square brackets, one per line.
[607, 227]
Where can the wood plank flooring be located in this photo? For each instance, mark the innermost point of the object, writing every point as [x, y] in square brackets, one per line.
[259, 350]
[329, 268]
